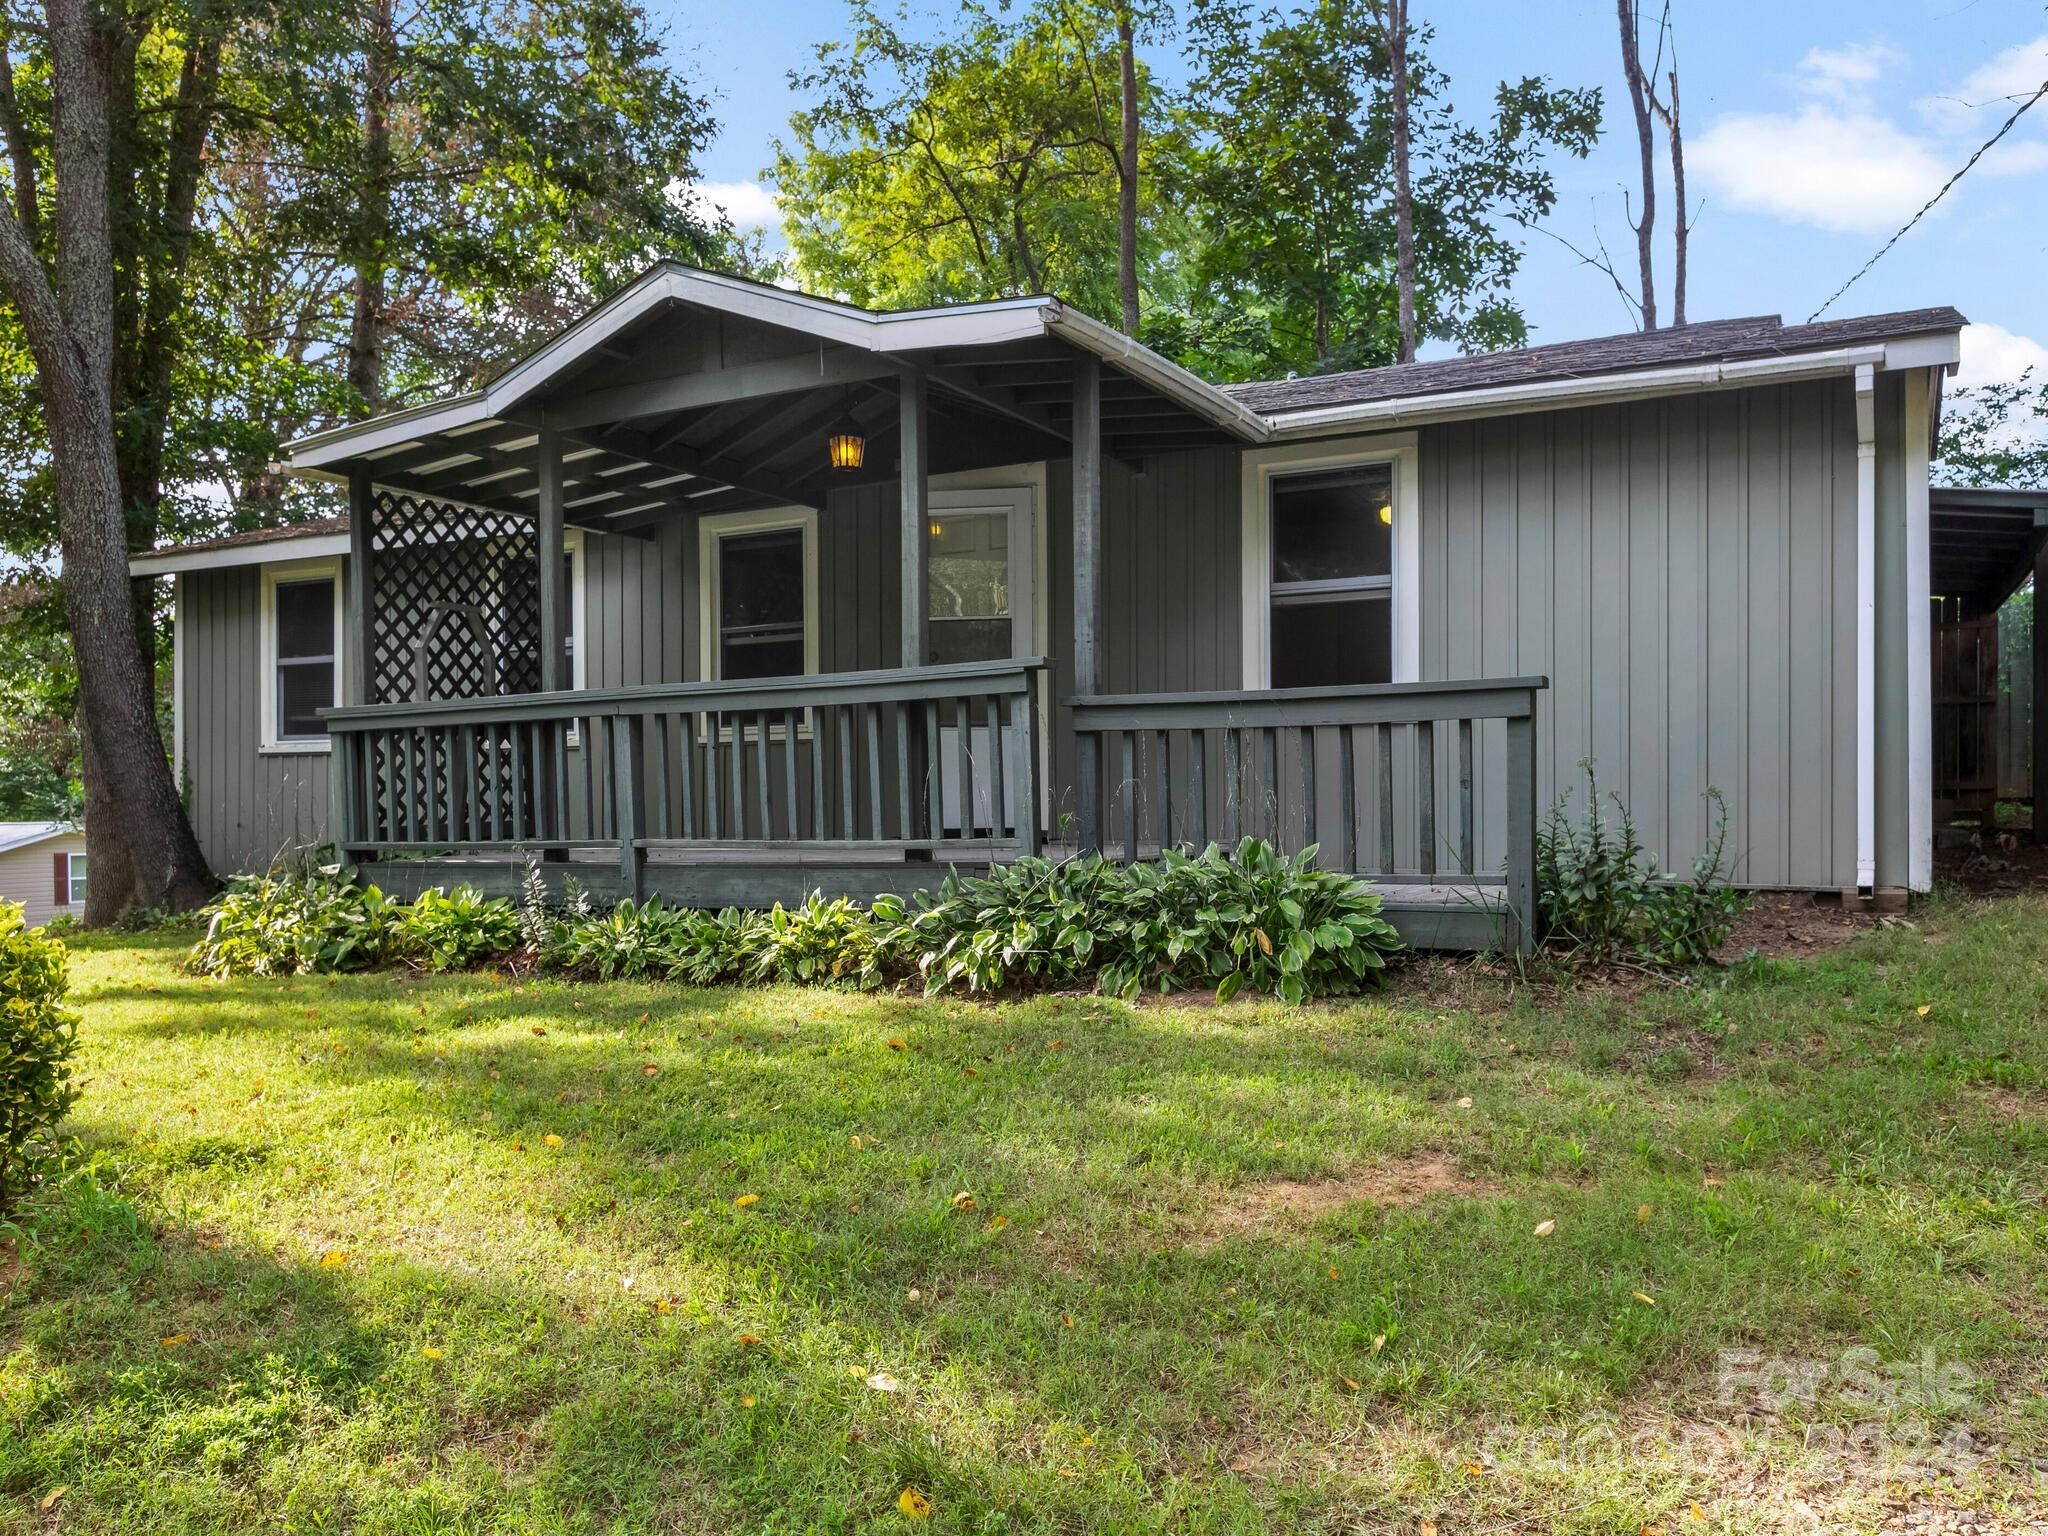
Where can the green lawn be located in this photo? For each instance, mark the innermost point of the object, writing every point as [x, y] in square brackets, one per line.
[332, 1269]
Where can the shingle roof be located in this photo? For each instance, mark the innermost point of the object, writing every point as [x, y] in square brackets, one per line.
[313, 527]
[1710, 341]
[20, 834]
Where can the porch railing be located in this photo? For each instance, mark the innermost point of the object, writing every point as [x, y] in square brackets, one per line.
[1411, 784]
[933, 761]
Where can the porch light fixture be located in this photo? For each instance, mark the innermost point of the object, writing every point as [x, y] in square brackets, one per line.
[846, 449]
[1387, 514]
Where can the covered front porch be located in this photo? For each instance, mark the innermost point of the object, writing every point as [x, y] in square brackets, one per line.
[866, 560]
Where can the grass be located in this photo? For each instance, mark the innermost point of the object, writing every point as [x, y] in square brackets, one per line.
[328, 1268]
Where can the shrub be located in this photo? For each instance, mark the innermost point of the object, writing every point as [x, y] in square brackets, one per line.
[1250, 917]
[1603, 899]
[290, 924]
[630, 941]
[820, 941]
[452, 930]
[36, 1088]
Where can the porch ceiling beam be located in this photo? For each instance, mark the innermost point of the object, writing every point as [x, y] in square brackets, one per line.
[681, 459]
[1001, 399]
[693, 391]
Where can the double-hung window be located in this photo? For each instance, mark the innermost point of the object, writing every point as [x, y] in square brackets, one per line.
[1331, 584]
[301, 655]
[74, 880]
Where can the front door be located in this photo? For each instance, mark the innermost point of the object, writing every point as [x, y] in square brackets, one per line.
[982, 586]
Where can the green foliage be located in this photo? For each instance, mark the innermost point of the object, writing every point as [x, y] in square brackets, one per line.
[291, 924]
[978, 164]
[40, 1035]
[1603, 899]
[1216, 921]
[452, 930]
[1292, 184]
[1995, 434]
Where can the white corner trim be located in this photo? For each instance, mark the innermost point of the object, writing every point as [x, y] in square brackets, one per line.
[714, 526]
[1259, 467]
[266, 626]
[1920, 393]
[178, 682]
[1866, 626]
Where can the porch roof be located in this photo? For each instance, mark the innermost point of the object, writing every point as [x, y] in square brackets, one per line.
[691, 391]
[1984, 542]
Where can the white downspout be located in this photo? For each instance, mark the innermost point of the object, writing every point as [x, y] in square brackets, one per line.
[1866, 626]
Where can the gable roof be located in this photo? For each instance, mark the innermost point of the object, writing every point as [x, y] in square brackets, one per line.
[21, 834]
[254, 546]
[1757, 336]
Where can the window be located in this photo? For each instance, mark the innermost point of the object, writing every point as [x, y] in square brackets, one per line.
[1333, 578]
[1332, 551]
[301, 654]
[759, 570]
[74, 879]
[967, 566]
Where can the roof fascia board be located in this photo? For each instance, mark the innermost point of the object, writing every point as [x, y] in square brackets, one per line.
[1170, 379]
[169, 561]
[1552, 394]
[1932, 349]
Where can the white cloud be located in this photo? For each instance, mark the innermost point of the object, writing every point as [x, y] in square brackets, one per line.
[1994, 355]
[747, 203]
[1845, 72]
[1851, 172]
[1841, 162]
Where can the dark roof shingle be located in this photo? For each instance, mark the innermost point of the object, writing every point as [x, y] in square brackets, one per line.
[1708, 342]
[311, 528]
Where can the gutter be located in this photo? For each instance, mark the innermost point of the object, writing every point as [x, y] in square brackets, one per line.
[1513, 399]
[1176, 383]
[1866, 627]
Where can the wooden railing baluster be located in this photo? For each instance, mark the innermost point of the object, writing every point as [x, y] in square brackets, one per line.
[1465, 814]
[1425, 796]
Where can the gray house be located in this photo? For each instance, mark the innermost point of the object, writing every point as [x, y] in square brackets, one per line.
[730, 592]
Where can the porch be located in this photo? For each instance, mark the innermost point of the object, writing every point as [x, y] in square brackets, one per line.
[723, 428]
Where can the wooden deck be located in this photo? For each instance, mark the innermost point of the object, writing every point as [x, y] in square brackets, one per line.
[865, 783]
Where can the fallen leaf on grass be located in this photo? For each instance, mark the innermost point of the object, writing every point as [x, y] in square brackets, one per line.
[49, 1500]
[175, 1340]
[1474, 1469]
[649, 1069]
[882, 1381]
[1648, 1301]
[538, 1030]
[1427, 1528]
[1349, 1384]
[997, 1223]
[749, 1338]
[963, 1201]
[746, 1402]
[334, 1258]
[898, 1045]
[1545, 1227]
[1379, 1342]
[1924, 1009]
[913, 1504]
[1643, 1215]
[1466, 1102]
[431, 1351]
[743, 1201]
[913, 1295]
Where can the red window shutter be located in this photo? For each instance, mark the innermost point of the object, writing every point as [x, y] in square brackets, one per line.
[63, 863]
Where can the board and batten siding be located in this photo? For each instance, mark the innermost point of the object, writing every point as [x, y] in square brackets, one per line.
[28, 875]
[250, 808]
[1684, 572]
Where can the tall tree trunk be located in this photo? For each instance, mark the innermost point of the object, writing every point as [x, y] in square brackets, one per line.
[136, 829]
[369, 258]
[1404, 201]
[1127, 174]
[1632, 66]
[1675, 132]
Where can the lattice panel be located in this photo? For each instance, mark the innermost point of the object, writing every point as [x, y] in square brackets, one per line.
[457, 588]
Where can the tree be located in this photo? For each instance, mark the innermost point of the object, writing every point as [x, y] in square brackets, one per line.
[1645, 222]
[1293, 190]
[1396, 23]
[142, 848]
[1002, 158]
[1996, 434]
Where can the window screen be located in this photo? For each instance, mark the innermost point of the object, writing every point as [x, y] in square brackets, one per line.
[1333, 578]
[761, 604]
[305, 657]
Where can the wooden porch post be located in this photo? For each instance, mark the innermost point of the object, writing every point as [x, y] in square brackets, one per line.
[913, 468]
[554, 613]
[359, 682]
[1087, 440]
[2040, 716]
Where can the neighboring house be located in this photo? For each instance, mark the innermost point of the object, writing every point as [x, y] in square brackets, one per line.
[728, 592]
[42, 866]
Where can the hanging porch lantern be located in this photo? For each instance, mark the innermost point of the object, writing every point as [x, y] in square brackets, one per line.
[846, 448]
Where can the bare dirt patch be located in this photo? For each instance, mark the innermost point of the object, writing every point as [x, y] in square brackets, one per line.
[1279, 1206]
[1792, 925]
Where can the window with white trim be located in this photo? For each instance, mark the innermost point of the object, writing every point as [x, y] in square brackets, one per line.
[301, 654]
[1331, 583]
[758, 572]
[74, 878]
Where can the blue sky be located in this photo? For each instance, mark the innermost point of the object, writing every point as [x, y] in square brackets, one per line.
[1813, 131]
